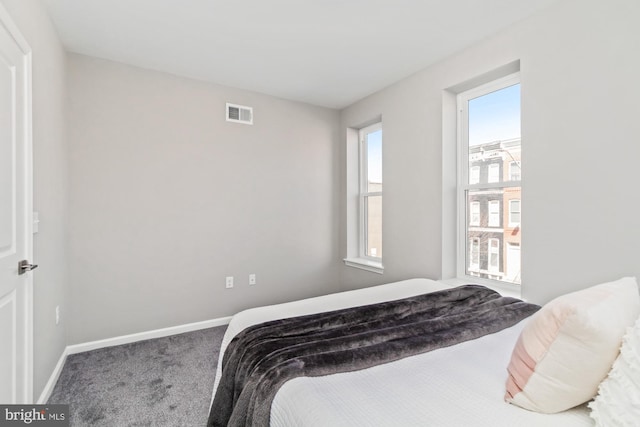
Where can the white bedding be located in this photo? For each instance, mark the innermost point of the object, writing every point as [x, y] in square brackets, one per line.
[461, 385]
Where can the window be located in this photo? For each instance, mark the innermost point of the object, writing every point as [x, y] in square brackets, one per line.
[494, 173]
[474, 175]
[489, 140]
[514, 213]
[514, 171]
[371, 192]
[494, 255]
[364, 197]
[474, 213]
[494, 213]
[474, 255]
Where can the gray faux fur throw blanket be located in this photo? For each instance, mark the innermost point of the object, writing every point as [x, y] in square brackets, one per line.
[262, 357]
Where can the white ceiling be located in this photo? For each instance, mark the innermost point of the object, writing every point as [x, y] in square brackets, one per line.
[323, 52]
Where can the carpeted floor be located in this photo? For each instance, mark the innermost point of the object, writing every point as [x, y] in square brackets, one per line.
[160, 382]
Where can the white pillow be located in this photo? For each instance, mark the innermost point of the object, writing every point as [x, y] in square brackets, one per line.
[618, 399]
[567, 347]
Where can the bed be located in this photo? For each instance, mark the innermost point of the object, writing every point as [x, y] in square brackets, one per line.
[459, 385]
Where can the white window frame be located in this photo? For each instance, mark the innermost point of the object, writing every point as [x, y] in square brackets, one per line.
[493, 218]
[463, 178]
[364, 191]
[513, 223]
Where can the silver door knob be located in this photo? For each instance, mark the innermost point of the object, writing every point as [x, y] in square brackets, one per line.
[24, 266]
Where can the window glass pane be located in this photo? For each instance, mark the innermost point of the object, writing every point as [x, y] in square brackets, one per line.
[493, 239]
[373, 218]
[493, 146]
[484, 207]
[495, 116]
[494, 136]
[374, 161]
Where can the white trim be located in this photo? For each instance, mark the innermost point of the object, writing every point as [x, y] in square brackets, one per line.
[492, 86]
[363, 170]
[147, 335]
[29, 210]
[462, 165]
[365, 264]
[53, 379]
[123, 339]
[486, 188]
[462, 182]
[487, 229]
[12, 29]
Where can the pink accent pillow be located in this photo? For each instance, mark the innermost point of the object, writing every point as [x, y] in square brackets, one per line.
[567, 348]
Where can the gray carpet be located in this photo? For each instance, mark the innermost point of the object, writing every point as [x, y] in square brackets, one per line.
[160, 382]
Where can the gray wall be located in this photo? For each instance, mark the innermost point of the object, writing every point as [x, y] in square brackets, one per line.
[167, 198]
[50, 185]
[579, 66]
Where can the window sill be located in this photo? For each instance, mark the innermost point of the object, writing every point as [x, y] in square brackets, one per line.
[504, 290]
[365, 264]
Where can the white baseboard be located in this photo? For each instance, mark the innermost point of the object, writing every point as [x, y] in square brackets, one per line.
[124, 339]
[140, 336]
[53, 379]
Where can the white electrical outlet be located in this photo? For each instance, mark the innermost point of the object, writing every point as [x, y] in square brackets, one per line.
[36, 222]
[57, 314]
[252, 279]
[229, 282]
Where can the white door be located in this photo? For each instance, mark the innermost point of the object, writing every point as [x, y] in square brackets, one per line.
[16, 240]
